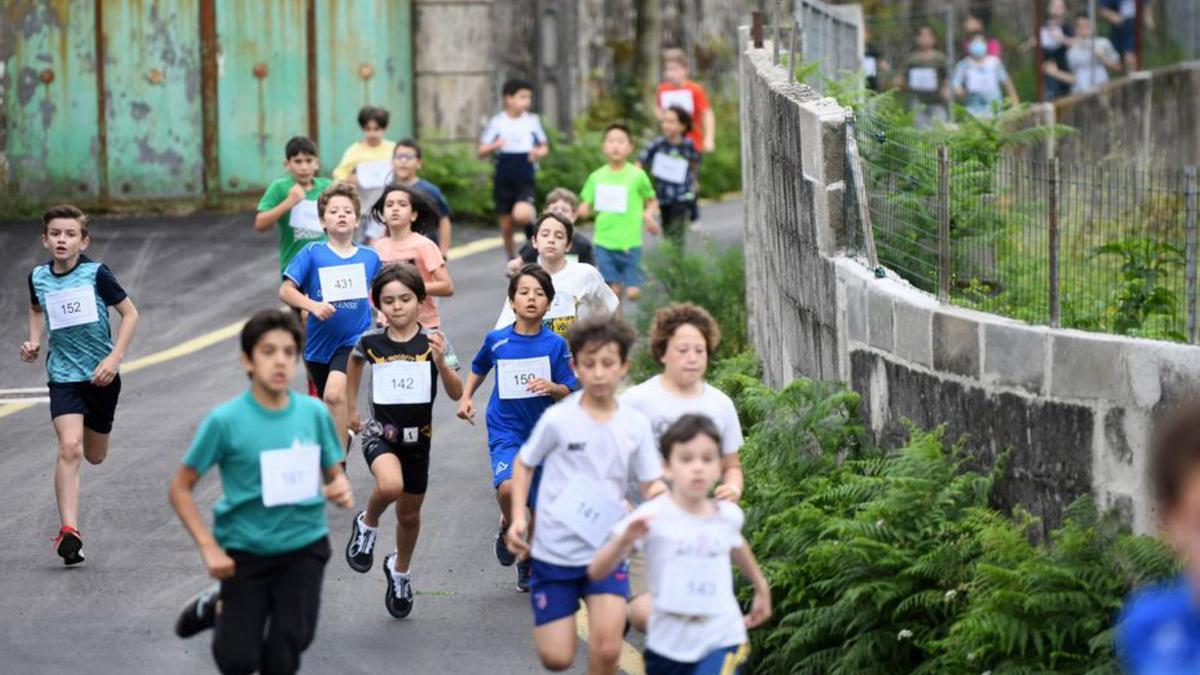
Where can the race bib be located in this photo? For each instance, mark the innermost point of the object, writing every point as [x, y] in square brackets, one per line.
[870, 67]
[372, 175]
[669, 168]
[402, 383]
[71, 307]
[514, 375]
[290, 475]
[677, 97]
[343, 282]
[922, 79]
[304, 221]
[980, 81]
[695, 586]
[562, 306]
[586, 512]
[612, 198]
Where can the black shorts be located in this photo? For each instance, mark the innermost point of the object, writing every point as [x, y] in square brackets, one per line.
[379, 439]
[98, 405]
[319, 372]
[507, 195]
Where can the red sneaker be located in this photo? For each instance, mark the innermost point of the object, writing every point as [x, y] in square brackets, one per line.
[69, 545]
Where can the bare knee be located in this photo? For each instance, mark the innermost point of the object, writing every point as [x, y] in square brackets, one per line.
[390, 490]
[70, 449]
[408, 517]
[639, 611]
[334, 397]
[557, 661]
[605, 650]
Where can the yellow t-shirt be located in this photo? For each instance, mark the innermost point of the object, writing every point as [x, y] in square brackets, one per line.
[361, 153]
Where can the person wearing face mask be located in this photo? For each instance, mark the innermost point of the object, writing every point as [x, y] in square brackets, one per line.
[981, 81]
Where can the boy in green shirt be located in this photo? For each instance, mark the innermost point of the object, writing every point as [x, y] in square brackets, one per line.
[291, 203]
[269, 542]
[623, 198]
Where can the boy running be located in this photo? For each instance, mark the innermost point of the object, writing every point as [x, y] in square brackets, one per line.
[406, 162]
[69, 297]
[406, 361]
[623, 198]
[677, 90]
[674, 164]
[579, 290]
[533, 370]
[329, 281]
[562, 203]
[269, 542]
[291, 203]
[697, 626]
[518, 140]
[587, 447]
[368, 162]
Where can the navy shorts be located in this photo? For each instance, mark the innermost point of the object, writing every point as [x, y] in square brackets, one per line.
[98, 405]
[1124, 37]
[319, 372]
[723, 661]
[621, 267]
[507, 194]
[555, 590]
[384, 439]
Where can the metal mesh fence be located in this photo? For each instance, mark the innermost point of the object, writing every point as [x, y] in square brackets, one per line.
[830, 35]
[1109, 248]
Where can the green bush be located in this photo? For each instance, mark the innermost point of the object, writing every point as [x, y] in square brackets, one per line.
[465, 179]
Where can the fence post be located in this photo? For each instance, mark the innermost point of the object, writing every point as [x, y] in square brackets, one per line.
[1193, 326]
[778, 21]
[1054, 299]
[756, 28]
[943, 203]
[951, 51]
[792, 60]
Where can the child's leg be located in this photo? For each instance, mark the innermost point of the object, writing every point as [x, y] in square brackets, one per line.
[504, 499]
[632, 273]
[295, 604]
[408, 528]
[95, 446]
[335, 399]
[555, 642]
[606, 627]
[523, 213]
[389, 486]
[244, 603]
[66, 469]
[506, 233]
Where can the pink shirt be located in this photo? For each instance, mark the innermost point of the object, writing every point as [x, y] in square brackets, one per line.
[416, 250]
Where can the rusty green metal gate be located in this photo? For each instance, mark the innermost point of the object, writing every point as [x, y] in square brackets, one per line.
[124, 100]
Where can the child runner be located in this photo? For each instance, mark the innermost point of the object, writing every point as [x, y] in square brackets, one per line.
[406, 360]
[329, 281]
[269, 542]
[674, 164]
[533, 370]
[586, 447]
[369, 161]
[519, 141]
[677, 90]
[979, 80]
[408, 213]
[682, 335]
[697, 626]
[69, 297]
[406, 162]
[563, 203]
[623, 198]
[579, 290]
[291, 203]
[1159, 629]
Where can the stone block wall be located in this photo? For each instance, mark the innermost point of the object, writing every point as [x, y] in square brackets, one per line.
[1073, 410]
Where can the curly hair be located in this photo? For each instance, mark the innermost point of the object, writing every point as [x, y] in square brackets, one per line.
[339, 189]
[668, 319]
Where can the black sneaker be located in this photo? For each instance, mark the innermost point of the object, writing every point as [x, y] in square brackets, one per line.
[505, 556]
[399, 599]
[523, 570]
[69, 545]
[200, 614]
[360, 550]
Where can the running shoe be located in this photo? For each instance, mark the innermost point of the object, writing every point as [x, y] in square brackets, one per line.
[399, 599]
[505, 556]
[69, 545]
[524, 568]
[360, 550]
[200, 614]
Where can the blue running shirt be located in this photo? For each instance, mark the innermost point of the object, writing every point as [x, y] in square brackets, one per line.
[75, 306]
[319, 272]
[1159, 631]
[511, 414]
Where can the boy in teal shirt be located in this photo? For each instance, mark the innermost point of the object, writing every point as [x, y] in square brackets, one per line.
[623, 197]
[269, 542]
[291, 203]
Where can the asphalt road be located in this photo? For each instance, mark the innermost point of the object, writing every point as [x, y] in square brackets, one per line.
[115, 613]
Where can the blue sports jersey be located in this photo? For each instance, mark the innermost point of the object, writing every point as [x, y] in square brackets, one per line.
[510, 420]
[75, 306]
[347, 278]
[1159, 631]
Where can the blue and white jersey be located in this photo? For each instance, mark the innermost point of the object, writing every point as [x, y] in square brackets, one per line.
[344, 282]
[75, 305]
[521, 134]
[1159, 630]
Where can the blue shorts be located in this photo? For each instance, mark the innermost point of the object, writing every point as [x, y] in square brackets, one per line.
[504, 457]
[723, 661]
[555, 590]
[621, 267]
[1124, 37]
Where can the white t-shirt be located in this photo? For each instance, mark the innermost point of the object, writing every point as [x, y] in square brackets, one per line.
[571, 446]
[675, 538]
[579, 292]
[1086, 66]
[663, 408]
[520, 133]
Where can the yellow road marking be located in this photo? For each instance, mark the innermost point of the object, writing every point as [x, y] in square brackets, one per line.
[630, 663]
[209, 339]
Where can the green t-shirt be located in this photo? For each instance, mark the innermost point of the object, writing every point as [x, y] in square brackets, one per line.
[233, 437]
[618, 198]
[306, 228]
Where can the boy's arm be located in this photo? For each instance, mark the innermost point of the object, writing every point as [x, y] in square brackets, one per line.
[441, 285]
[29, 350]
[216, 561]
[466, 408]
[452, 383]
[710, 129]
[107, 370]
[337, 486]
[264, 220]
[291, 294]
[514, 538]
[539, 151]
[732, 480]
[346, 164]
[652, 488]
[760, 609]
[443, 235]
[354, 371]
[617, 549]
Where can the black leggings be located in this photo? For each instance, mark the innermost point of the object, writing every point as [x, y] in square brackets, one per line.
[280, 591]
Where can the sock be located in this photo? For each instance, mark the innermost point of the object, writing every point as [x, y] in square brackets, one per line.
[397, 572]
[362, 522]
